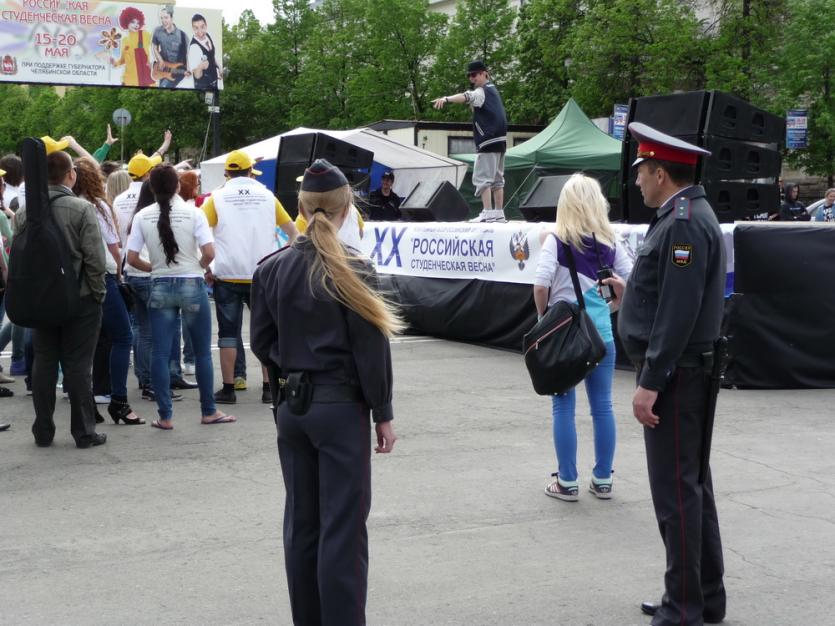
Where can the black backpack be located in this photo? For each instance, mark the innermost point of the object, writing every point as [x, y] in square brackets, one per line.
[43, 290]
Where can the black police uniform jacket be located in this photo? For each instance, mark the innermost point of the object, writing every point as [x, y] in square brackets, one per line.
[296, 326]
[674, 299]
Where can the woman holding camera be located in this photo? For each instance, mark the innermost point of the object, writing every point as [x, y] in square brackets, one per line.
[583, 226]
[321, 328]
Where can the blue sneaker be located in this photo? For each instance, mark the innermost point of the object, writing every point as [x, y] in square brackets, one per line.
[568, 492]
[18, 368]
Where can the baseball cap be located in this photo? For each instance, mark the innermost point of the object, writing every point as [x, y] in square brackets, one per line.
[141, 164]
[388, 174]
[54, 146]
[323, 176]
[238, 161]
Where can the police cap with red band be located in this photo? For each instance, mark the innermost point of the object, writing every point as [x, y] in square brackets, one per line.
[653, 144]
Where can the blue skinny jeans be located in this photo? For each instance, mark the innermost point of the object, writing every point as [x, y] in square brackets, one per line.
[116, 323]
[599, 391]
[172, 298]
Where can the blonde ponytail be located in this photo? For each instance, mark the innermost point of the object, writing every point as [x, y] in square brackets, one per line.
[333, 267]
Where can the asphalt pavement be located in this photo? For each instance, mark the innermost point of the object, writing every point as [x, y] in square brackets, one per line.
[184, 527]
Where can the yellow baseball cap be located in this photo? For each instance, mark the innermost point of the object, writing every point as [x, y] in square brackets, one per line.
[54, 146]
[141, 164]
[238, 161]
[2, 173]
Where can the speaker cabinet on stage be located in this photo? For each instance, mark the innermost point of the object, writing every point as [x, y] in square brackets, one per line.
[435, 202]
[743, 140]
[709, 113]
[540, 205]
[296, 152]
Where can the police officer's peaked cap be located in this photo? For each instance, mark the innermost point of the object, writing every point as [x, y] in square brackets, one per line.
[653, 144]
[322, 176]
[476, 66]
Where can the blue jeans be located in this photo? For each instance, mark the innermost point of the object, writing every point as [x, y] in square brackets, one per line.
[187, 298]
[599, 392]
[141, 329]
[116, 323]
[11, 332]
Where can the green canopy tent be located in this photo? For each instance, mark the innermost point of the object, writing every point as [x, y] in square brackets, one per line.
[570, 143]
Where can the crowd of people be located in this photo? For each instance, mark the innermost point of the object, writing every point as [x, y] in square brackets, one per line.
[147, 257]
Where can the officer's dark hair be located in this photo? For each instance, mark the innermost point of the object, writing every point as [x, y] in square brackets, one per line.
[164, 183]
[679, 173]
[14, 169]
[58, 165]
[238, 173]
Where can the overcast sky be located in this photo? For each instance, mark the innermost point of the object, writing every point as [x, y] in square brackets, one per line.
[263, 9]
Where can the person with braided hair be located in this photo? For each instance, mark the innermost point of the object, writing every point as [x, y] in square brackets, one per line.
[180, 247]
[322, 329]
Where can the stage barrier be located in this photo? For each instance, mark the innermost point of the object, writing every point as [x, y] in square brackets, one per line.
[472, 283]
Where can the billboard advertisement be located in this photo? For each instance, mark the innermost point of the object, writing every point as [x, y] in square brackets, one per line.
[114, 44]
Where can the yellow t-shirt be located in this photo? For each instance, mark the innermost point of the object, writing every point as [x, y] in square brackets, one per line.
[281, 218]
[301, 223]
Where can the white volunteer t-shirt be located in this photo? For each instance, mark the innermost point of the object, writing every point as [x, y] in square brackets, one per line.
[109, 235]
[124, 205]
[191, 230]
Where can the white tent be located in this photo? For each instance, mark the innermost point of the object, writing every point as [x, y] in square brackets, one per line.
[410, 164]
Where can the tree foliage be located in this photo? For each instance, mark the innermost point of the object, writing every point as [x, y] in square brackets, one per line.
[352, 62]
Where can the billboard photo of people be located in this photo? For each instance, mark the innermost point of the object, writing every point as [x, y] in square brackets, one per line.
[110, 44]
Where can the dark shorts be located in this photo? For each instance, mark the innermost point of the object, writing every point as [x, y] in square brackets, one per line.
[229, 306]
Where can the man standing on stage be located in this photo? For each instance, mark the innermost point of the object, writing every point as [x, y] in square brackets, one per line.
[384, 203]
[490, 136]
[170, 49]
[669, 323]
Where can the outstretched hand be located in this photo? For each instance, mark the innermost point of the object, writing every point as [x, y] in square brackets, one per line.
[439, 103]
[110, 138]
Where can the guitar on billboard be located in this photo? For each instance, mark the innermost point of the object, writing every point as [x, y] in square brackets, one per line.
[169, 71]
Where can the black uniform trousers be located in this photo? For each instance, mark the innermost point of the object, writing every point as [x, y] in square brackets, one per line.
[326, 463]
[71, 344]
[685, 510]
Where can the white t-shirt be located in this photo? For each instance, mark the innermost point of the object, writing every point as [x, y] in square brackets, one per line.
[109, 235]
[9, 194]
[124, 205]
[191, 230]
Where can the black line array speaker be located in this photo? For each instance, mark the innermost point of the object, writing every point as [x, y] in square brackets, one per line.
[744, 142]
[540, 205]
[435, 202]
[296, 152]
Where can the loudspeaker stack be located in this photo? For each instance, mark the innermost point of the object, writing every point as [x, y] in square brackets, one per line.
[437, 201]
[296, 152]
[740, 177]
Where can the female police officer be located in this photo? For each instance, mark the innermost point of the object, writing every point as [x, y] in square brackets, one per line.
[320, 327]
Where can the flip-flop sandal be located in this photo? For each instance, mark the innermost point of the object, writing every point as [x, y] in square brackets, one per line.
[221, 419]
[159, 424]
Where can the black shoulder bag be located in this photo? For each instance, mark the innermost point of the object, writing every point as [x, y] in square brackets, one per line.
[564, 346]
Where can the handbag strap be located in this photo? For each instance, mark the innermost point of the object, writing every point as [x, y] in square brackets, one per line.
[572, 269]
[597, 251]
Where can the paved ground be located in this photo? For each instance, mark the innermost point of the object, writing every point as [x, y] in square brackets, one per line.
[184, 527]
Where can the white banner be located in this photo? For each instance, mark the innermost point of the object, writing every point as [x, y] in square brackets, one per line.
[497, 252]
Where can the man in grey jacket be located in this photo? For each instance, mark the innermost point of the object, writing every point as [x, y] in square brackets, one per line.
[73, 343]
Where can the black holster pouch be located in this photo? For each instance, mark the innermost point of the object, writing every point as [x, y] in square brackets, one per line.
[298, 392]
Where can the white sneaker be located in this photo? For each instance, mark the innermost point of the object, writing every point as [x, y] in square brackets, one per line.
[484, 216]
[496, 215]
[189, 369]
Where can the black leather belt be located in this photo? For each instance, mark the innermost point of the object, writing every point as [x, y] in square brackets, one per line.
[325, 394]
[704, 360]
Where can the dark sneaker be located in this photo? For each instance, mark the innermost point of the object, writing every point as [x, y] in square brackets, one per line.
[148, 394]
[96, 439]
[556, 489]
[266, 395]
[225, 397]
[601, 488]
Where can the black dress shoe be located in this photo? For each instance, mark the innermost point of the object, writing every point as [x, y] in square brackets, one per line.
[96, 439]
[651, 608]
[182, 383]
[4, 427]
[43, 443]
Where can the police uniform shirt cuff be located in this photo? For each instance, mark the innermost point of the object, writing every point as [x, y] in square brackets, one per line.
[383, 413]
[652, 381]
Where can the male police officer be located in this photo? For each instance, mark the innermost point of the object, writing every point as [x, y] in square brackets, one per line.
[669, 320]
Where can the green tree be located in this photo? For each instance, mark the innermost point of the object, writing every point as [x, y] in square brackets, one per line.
[744, 48]
[807, 70]
[12, 127]
[628, 48]
[544, 37]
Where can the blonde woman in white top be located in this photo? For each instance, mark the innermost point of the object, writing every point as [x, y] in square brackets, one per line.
[180, 246]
